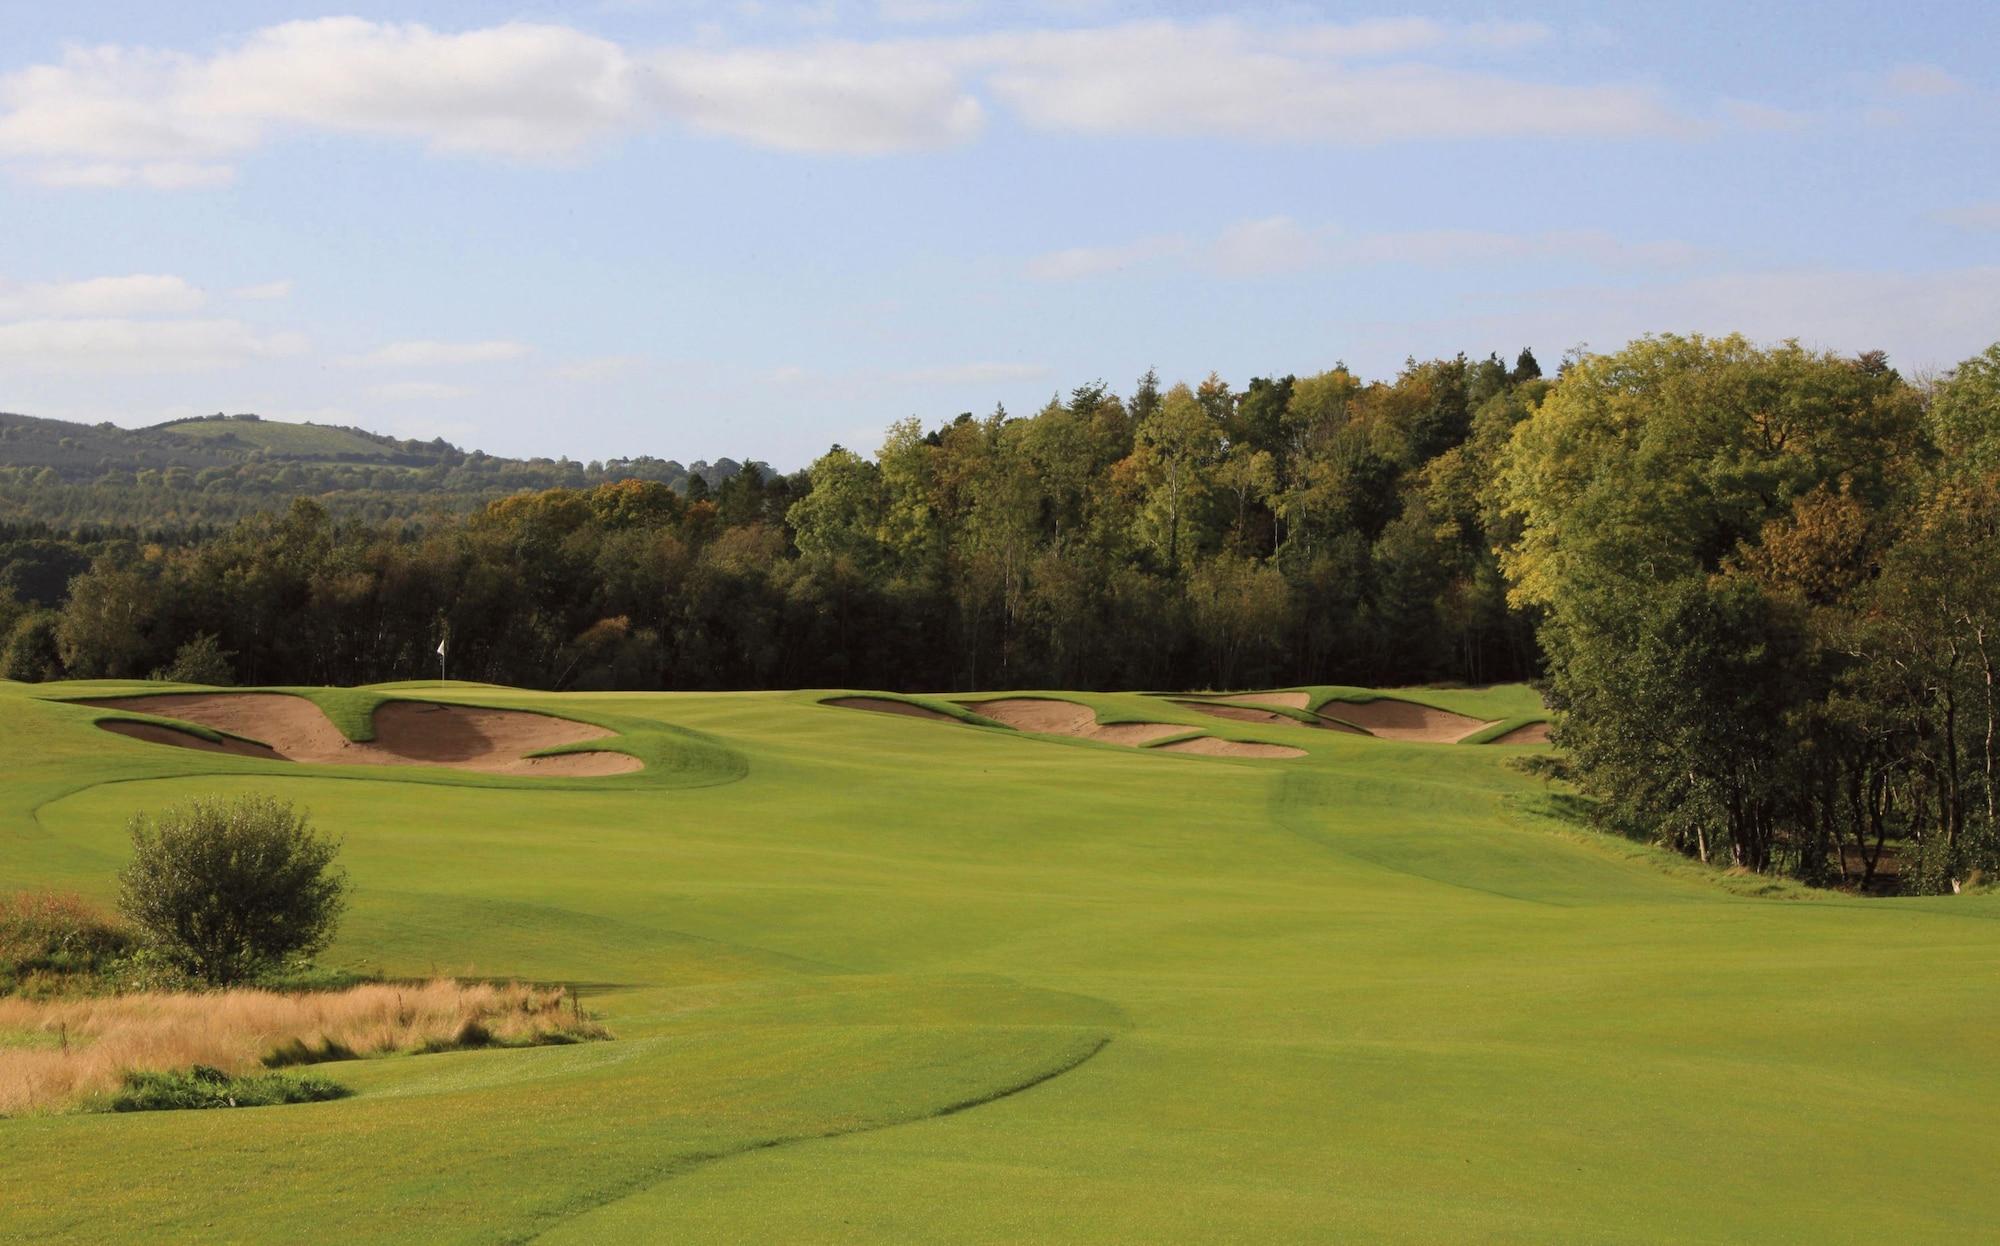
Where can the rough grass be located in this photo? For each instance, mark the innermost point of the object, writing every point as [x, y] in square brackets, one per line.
[205, 1087]
[52, 941]
[74, 1049]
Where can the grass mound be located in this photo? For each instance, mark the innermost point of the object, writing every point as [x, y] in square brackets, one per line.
[206, 1087]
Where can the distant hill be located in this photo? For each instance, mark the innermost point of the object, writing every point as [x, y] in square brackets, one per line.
[319, 443]
[215, 468]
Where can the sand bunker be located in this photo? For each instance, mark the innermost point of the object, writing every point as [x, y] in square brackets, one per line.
[1049, 717]
[1530, 733]
[1251, 714]
[883, 705]
[1209, 746]
[153, 733]
[407, 733]
[1391, 719]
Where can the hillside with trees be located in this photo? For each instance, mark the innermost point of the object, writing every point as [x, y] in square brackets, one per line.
[219, 468]
[1762, 584]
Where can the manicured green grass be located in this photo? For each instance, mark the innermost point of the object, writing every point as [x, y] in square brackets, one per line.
[880, 979]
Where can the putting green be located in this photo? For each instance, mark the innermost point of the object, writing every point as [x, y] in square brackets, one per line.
[880, 978]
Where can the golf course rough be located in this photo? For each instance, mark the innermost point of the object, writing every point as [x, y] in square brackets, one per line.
[881, 978]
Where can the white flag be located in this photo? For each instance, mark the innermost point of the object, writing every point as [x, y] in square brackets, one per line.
[440, 648]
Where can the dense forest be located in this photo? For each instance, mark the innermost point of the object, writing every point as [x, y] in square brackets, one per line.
[1762, 585]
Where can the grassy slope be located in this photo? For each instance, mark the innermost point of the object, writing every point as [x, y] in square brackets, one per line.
[1364, 994]
[292, 441]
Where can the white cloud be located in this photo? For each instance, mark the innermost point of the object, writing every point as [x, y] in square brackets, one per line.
[1280, 244]
[1300, 84]
[914, 12]
[840, 98]
[154, 175]
[123, 345]
[1072, 263]
[427, 354]
[123, 116]
[1922, 81]
[418, 391]
[142, 294]
[601, 368]
[521, 90]
[264, 292]
[1272, 245]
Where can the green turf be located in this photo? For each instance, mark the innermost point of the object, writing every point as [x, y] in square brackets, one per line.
[879, 979]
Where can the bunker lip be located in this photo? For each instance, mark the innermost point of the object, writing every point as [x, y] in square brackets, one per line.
[1246, 713]
[1526, 733]
[1391, 719]
[159, 733]
[407, 733]
[1282, 700]
[1048, 716]
[888, 705]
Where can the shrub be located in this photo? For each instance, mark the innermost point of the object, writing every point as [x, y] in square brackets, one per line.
[49, 940]
[206, 1087]
[30, 654]
[228, 890]
[202, 660]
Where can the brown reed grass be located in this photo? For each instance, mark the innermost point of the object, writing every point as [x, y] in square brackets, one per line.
[58, 1053]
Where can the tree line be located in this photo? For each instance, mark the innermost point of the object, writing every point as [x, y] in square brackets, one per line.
[1762, 584]
[1317, 527]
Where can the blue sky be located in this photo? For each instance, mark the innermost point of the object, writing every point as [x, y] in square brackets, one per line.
[698, 229]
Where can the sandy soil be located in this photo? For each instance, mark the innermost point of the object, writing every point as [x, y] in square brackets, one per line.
[1050, 717]
[1530, 733]
[1391, 719]
[1209, 746]
[883, 705]
[407, 733]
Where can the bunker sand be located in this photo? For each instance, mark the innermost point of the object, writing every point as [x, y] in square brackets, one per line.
[1049, 717]
[885, 705]
[1528, 733]
[407, 733]
[1390, 719]
[1244, 713]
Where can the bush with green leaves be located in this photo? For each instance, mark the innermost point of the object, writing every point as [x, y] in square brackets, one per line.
[205, 1087]
[202, 660]
[229, 890]
[51, 942]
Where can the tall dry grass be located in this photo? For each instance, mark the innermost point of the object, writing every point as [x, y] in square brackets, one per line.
[58, 1052]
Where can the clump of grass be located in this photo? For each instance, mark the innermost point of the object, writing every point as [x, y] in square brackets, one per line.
[205, 1087]
[84, 1048]
[54, 942]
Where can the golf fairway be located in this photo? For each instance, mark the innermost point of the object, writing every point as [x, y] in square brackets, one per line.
[874, 977]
